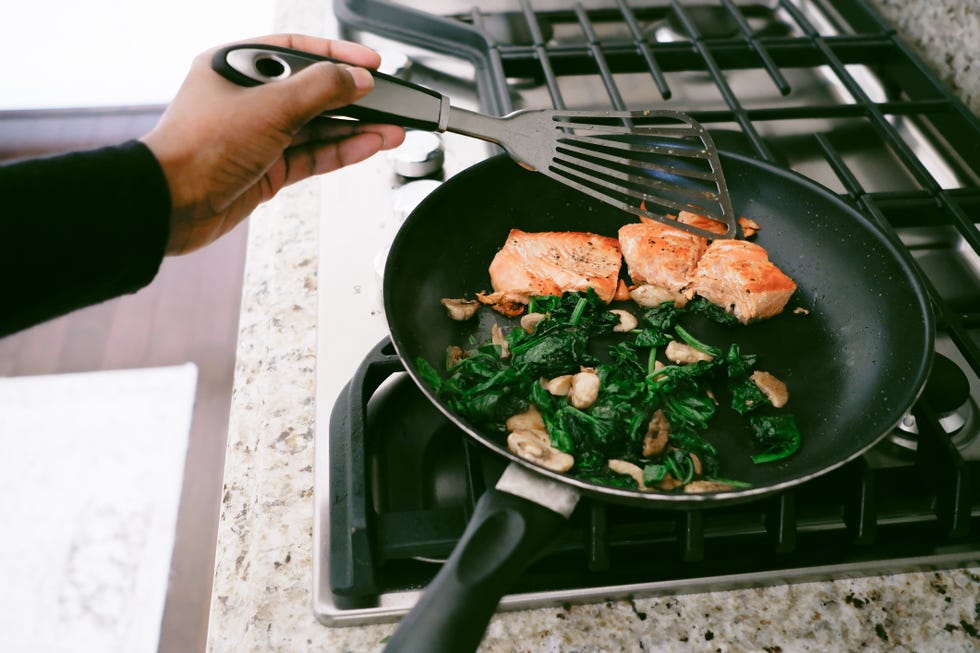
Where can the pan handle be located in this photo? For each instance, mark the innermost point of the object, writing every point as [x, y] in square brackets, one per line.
[392, 100]
[505, 534]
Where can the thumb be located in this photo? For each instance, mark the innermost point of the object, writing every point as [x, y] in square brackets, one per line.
[319, 87]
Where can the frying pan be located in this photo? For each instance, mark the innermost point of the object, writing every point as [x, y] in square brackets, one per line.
[854, 358]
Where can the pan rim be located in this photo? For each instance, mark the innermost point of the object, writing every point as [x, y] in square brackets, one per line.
[708, 499]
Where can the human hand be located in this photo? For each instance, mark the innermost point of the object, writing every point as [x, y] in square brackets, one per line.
[225, 148]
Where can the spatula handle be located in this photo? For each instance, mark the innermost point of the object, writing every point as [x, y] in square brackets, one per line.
[393, 101]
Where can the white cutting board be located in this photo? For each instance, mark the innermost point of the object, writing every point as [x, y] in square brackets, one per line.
[91, 470]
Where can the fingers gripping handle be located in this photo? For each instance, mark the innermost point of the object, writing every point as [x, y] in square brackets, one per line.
[505, 534]
[393, 101]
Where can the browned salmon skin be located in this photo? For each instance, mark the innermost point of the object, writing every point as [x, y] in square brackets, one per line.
[738, 276]
[550, 263]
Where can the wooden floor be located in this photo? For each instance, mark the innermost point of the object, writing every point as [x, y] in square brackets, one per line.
[189, 313]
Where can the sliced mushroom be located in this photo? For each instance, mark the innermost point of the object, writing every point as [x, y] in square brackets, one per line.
[774, 389]
[649, 296]
[460, 309]
[629, 469]
[559, 386]
[585, 388]
[668, 483]
[530, 321]
[695, 487]
[627, 321]
[696, 463]
[455, 355]
[497, 338]
[658, 432]
[682, 353]
[529, 446]
[529, 420]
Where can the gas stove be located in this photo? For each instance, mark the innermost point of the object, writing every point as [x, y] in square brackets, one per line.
[820, 86]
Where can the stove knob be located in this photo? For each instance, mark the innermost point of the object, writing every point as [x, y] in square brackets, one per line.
[421, 155]
[405, 199]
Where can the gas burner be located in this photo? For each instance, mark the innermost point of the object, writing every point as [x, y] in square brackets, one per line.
[960, 425]
[948, 392]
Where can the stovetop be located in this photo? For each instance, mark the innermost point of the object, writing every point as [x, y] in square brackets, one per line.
[822, 87]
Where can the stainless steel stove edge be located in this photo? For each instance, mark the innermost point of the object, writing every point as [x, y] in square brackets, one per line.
[394, 605]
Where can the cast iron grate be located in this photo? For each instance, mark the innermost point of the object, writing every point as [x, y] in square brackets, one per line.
[854, 514]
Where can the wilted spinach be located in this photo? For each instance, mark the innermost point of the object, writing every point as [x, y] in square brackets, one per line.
[486, 389]
[775, 436]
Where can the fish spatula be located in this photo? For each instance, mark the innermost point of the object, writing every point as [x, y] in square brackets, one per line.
[647, 163]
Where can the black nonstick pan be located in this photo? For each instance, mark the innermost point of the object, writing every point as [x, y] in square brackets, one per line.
[855, 358]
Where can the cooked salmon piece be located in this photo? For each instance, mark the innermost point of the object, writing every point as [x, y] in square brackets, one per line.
[550, 263]
[702, 222]
[661, 257]
[739, 277]
[749, 226]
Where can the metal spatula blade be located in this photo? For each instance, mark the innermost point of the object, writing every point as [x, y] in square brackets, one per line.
[648, 163]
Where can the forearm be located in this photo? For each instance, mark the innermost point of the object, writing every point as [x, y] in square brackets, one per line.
[78, 229]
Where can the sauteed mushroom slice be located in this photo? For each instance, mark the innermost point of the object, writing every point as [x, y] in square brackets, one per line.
[658, 433]
[696, 463]
[460, 309]
[497, 338]
[529, 420]
[628, 469]
[455, 355]
[650, 296]
[774, 389]
[585, 388]
[681, 353]
[559, 386]
[530, 321]
[627, 321]
[695, 487]
[535, 446]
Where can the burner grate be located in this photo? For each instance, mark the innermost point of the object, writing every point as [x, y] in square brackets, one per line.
[390, 536]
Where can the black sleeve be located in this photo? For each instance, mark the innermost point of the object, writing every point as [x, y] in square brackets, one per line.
[77, 229]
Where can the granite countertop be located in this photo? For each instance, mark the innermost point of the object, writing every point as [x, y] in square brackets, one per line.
[261, 599]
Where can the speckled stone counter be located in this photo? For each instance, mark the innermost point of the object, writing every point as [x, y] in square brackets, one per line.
[946, 35]
[262, 585]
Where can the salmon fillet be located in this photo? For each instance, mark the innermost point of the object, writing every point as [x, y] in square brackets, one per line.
[660, 256]
[738, 276]
[550, 263]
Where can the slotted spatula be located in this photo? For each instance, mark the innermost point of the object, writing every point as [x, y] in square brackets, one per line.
[648, 163]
